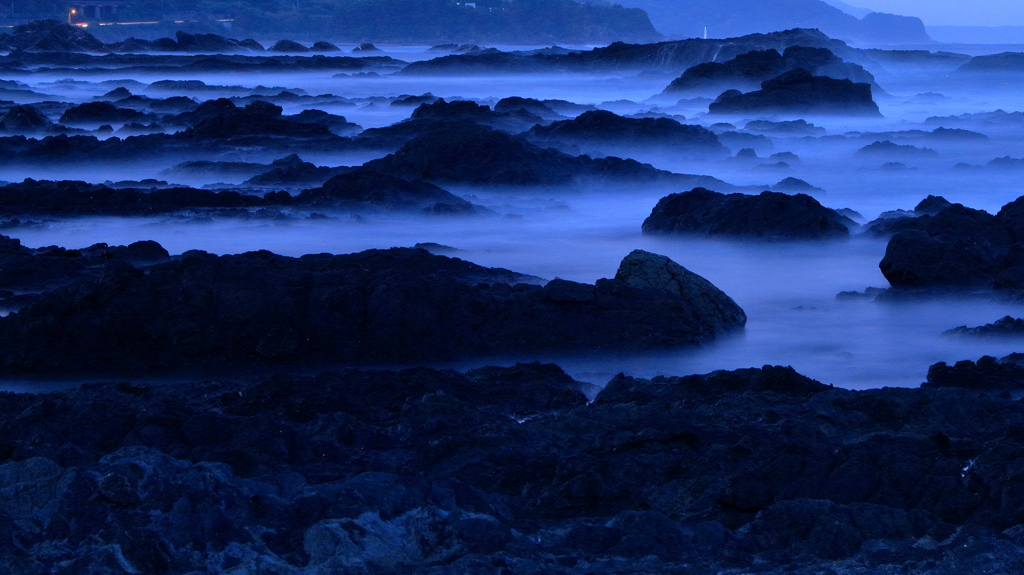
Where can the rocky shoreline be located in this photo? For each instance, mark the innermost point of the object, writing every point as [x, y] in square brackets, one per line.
[510, 470]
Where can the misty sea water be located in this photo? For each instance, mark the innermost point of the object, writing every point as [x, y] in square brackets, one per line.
[787, 289]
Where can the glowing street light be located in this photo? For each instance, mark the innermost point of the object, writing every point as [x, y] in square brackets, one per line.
[71, 13]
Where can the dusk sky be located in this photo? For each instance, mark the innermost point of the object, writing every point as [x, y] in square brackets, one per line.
[952, 12]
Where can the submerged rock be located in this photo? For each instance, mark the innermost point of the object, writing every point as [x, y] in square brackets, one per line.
[768, 216]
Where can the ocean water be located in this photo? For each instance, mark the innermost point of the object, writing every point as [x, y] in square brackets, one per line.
[787, 289]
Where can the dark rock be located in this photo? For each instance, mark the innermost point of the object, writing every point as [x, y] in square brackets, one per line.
[674, 56]
[745, 471]
[366, 47]
[36, 270]
[472, 154]
[959, 248]
[92, 113]
[206, 312]
[174, 104]
[893, 150]
[24, 119]
[362, 189]
[747, 71]
[614, 133]
[830, 531]
[647, 271]
[742, 140]
[769, 216]
[336, 124]
[793, 185]
[436, 248]
[118, 93]
[894, 221]
[987, 373]
[439, 110]
[529, 105]
[323, 46]
[209, 43]
[800, 92]
[931, 205]
[427, 98]
[1006, 163]
[1007, 326]
[50, 36]
[291, 171]
[288, 46]
[786, 128]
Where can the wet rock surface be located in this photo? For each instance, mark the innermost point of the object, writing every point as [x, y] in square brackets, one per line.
[768, 216]
[200, 312]
[426, 471]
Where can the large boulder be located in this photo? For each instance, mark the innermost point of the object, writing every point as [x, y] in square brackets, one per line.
[647, 271]
[800, 92]
[958, 248]
[767, 216]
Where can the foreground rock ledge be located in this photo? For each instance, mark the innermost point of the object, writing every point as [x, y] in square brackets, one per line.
[510, 470]
[200, 312]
